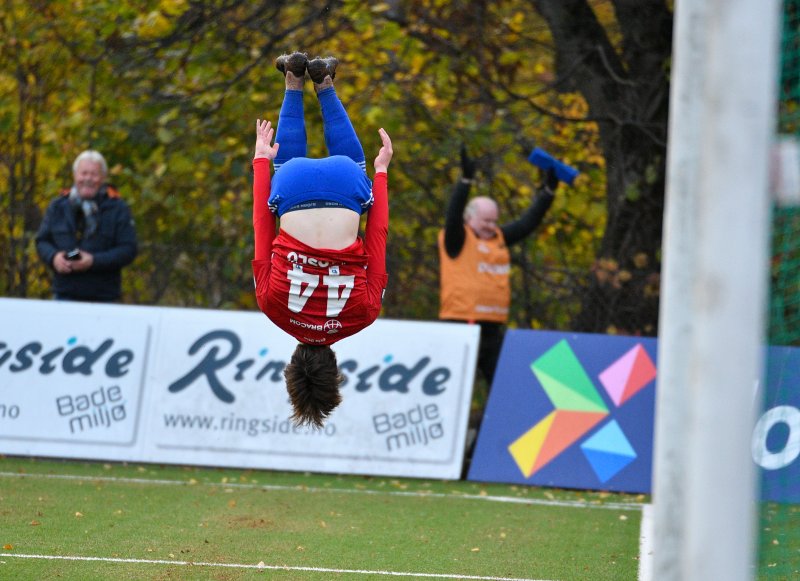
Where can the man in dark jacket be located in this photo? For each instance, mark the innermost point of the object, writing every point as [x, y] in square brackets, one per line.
[87, 235]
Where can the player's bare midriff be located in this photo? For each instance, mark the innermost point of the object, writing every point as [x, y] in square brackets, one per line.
[334, 228]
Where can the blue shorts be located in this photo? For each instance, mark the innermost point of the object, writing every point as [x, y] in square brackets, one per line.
[335, 181]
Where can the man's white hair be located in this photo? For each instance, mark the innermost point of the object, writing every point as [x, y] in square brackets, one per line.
[94, 157]
[472, 206]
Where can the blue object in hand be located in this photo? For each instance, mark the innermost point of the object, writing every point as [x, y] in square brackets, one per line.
[540, 158]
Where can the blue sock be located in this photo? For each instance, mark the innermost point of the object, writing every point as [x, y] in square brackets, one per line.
[340, 136]
[291, 132]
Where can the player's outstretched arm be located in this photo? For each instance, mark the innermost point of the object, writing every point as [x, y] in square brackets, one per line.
[377, 228]
[263, 220]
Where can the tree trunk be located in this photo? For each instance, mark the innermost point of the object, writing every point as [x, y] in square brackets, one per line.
[627, 92]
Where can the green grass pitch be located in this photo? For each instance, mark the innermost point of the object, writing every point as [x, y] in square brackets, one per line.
[167, 522]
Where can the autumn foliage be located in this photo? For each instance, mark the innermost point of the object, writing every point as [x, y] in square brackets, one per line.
[168, 90]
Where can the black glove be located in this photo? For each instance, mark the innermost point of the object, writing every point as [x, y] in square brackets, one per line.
[467, 164]
[551, 180]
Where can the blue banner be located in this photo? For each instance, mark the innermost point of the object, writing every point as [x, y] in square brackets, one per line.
[577, 411]
[776, 437]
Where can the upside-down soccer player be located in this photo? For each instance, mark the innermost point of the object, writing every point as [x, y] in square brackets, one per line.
[318, 280]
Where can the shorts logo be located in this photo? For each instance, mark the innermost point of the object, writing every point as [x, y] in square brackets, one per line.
[579, 407]
[332, 326]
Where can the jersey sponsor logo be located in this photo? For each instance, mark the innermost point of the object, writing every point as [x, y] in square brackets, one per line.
[298, 258]
[305, 325]
[332, 326]
[499, 269]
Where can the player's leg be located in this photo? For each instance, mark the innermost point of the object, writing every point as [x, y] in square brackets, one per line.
[291, 131]
[340, 136]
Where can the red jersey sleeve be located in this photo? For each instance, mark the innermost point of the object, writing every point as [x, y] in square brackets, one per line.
[375, 235]
[263, 220]
[263, 229]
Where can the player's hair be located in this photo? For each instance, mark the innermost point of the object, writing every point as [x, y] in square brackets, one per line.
[312, 380]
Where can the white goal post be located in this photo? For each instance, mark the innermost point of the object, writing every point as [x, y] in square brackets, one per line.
[714, 287]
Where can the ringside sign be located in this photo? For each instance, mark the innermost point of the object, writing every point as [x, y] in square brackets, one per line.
[195, 386]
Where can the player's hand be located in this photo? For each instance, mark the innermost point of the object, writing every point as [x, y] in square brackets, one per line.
[468, 164]
[264, 147]
[385, 154]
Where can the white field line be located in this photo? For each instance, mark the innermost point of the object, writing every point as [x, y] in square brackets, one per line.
[302, 488]
[646, 544]
[262, 566]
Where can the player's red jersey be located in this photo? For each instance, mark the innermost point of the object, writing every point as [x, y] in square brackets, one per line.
[319, 296]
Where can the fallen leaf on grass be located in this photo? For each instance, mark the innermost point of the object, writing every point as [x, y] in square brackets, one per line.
[35, 523]
[232, 503]
[78, 514]
[8, 547]
[474, 549]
